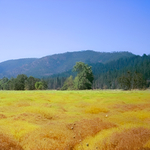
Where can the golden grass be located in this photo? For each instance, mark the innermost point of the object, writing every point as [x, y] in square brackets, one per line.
[75, 120]
[8, 143]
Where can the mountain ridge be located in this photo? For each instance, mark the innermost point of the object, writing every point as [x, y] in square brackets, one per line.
[56, 63]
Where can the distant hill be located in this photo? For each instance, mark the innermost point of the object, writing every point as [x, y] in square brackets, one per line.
[135, 63]
[57, 63]
[12, 68]
[107, 76]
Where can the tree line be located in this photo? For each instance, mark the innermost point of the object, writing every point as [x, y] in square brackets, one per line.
[83, 80]
[125, 73]
[22, 82]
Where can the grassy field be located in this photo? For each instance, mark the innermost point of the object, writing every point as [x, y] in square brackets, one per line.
[75, 120]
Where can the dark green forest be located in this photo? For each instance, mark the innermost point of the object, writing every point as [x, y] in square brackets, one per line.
[125, 73]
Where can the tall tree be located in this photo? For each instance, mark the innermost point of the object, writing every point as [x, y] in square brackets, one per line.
[131, 80]
[30, 83]
[11, 84]
[4, 84]
[20, 82]
[84, 78]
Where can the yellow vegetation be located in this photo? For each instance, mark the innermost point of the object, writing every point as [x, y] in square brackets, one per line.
[75, 120]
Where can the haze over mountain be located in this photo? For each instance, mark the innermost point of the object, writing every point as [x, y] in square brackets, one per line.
[54, 64]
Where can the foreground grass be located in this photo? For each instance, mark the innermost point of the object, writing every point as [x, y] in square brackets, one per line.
[74, 120]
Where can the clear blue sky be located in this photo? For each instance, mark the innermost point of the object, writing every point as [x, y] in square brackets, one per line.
[36, 28]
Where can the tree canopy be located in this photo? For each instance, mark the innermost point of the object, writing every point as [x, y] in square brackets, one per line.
[84, 78]
[22, 82]
[82, 81]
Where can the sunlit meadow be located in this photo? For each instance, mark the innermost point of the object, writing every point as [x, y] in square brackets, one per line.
[75, 120]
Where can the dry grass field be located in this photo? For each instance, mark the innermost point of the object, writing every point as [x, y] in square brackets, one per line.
[75, 120]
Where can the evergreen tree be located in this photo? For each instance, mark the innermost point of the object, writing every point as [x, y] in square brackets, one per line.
[30, 83]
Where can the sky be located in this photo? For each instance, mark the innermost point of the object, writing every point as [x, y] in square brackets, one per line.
[37, 28]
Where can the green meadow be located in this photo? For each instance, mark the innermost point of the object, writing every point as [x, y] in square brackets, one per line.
[75, 120]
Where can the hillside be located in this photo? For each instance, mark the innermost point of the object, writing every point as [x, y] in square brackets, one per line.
[57, 63]
[11, 68]
[107, 75]
[129, 63]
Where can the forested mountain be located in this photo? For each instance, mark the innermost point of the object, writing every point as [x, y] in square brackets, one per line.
[124, 73]
[57, 63]
[135, 69]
